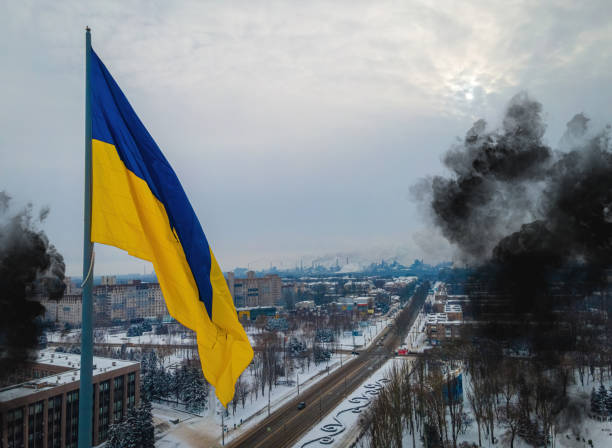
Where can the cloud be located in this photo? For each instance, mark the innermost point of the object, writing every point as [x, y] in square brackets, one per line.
[288, 120]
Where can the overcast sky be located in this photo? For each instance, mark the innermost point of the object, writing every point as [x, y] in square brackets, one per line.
[296, 128]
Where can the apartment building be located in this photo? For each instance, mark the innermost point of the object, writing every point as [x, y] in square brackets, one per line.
[137, 300]
[254, 291]
[44, 411]
[67, 310]
[112, 303]
[439, 328]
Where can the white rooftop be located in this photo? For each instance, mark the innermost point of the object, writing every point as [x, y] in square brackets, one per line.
[436, 318]
[451, 308]
[68, 360]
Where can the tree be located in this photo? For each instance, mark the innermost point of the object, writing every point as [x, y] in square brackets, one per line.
[194, 390]
[145, 427]
[475, 396]
[136, 431]
[242, 390]
[288, 298]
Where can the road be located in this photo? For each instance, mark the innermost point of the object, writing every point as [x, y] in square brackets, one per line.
[287, 424]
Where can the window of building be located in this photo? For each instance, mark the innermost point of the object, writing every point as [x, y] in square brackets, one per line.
[118, 399]
[104, 410]
[131, 398]
[35, 425]
[72, 419]
[14, 428]
[54, 422]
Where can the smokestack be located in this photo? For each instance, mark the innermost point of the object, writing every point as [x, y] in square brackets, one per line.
[28, 263]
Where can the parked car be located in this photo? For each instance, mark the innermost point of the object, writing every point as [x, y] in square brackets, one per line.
[301, 405]
[354, 353]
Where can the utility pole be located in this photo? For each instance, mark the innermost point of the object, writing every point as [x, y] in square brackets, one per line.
[223, 426]
[298, 382]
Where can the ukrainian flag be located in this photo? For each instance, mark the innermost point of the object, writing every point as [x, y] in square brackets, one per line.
[138, 205]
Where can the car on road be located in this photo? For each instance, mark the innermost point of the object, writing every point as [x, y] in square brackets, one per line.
[354, 353]
[301, 405]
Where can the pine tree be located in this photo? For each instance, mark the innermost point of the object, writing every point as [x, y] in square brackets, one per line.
[609, 402]
[136, 431]
[146, 430]
[124, 434]
[116, 433]
[594, 402]
[603, 395]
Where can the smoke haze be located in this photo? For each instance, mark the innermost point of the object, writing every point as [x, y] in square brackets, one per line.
[535, 221]
[28, 264]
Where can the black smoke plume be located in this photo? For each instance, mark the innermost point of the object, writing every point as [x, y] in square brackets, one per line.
[536, 222]
[29, 265]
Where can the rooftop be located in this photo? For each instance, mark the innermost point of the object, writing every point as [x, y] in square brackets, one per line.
[69, 360]
[439, 318]
[452, 308]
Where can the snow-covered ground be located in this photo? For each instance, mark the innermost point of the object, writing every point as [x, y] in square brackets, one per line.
[572, 435]
[205, 430]
[341, 425]
[256, 409]
[107, 337]
[209, 426]
[416, 339]
[369, 333]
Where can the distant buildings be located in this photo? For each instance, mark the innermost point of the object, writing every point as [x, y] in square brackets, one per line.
[112, 303]
[254, 291]
[127, 302]
[445, 322]
[43, 411]
[108, 280]
[253, 313]
[67, 310]
[438, 328]
[305, 305]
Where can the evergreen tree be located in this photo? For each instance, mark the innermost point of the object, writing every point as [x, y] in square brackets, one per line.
[196, 394]
[136, 431]
[603, 395]
[145, 428]
[608, 402]
[594, 402]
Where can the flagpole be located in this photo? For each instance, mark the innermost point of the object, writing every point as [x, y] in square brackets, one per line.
[86, 388]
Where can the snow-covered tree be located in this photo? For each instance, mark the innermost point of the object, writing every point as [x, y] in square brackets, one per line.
[136, 431]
